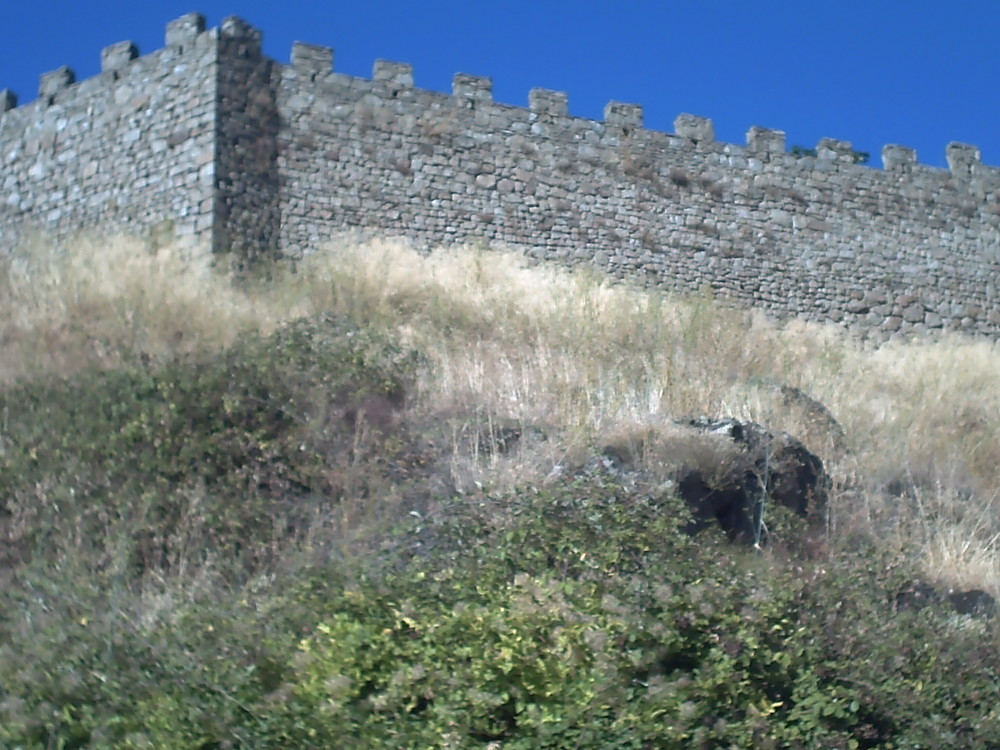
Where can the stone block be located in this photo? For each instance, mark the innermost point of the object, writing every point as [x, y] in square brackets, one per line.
[701, 130]
[472, 88]
[548, 102]
[623, 115]
[898, 158]
[393, 74]
[836, 151]
[766, 141]
[53, 82]
[185, 29]
[118, 55]
[312, 59]
[235, 28]
[914, 314]
[962, 158]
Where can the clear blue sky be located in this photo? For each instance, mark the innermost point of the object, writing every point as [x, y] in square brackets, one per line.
[917, 73]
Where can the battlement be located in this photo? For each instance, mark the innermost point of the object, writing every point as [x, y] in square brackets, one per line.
[209, 140]
[317, 61]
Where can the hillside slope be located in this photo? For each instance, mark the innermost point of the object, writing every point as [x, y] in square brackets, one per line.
[357, 504]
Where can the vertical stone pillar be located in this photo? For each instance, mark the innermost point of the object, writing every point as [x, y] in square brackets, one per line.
[548, 102]
[701, 130]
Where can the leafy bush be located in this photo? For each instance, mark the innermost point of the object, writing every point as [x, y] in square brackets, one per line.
[576, 615]
[582, 616]
[243, 444]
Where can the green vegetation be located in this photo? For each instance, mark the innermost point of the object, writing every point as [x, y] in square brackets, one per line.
[268, 515]
[860, 157]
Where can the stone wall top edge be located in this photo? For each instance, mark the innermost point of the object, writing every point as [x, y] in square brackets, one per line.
[963, 160]
[181, 34]
[311, 65]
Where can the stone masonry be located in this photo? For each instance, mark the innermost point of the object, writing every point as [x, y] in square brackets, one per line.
[210, 141]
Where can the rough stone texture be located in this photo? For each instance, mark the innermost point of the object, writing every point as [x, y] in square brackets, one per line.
[247, 213]
[261, 157]
[762, 468]
[729, 472]
[130, 149]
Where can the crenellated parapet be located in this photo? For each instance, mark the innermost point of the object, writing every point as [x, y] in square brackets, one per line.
[811, 232]
[184, 30]
[211, 141]
[129, 149]
[315, 61]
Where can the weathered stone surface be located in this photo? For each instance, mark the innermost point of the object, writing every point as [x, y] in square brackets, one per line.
[920, 594]
[728, 472]
[121, 152]
[914, 314]
[99, 154]
[766, 468]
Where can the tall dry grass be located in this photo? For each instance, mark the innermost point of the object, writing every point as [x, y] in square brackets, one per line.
[104, 301]
[573, 359]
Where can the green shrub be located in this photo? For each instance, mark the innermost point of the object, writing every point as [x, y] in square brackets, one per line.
[572, 615]
[578, 615]
[583, 617]
[240, 445]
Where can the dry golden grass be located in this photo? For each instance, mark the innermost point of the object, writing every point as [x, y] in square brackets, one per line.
[108, 300]
[575, 356]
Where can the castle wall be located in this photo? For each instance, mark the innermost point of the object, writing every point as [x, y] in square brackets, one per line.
[213, 138]
[247, 196]
[904, 248]
[131, 149]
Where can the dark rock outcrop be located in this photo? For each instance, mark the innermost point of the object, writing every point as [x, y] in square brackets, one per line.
[765, 468]
[973, 602]
[921, 594]
[728, 472]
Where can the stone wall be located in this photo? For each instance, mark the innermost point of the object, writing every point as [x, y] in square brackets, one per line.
[303, 154]
[247, 204]
[131, 149]
[902, 248]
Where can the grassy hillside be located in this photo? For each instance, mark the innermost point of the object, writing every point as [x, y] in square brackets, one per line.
[353, 505]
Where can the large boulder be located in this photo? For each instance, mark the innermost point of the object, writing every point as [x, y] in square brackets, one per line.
[729, 472]
[763, 468]
[920, 594]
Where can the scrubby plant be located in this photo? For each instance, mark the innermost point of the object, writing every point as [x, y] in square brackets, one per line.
[220, 453]
[578, 615]
[277, 523]
[581, 615]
